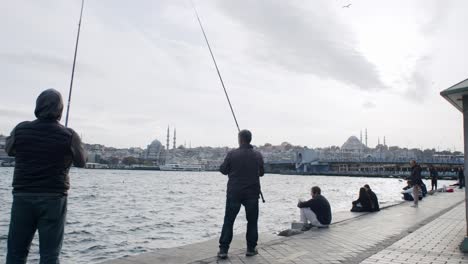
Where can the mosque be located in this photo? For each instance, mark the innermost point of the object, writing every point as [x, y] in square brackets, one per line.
[156, 152]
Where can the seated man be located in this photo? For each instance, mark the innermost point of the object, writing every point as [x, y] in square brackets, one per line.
[373, 198]
[317, 210]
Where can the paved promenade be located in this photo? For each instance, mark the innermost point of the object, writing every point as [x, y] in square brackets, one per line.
[400, 234]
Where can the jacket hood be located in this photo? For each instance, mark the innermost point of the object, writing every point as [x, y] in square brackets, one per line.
[49, 105]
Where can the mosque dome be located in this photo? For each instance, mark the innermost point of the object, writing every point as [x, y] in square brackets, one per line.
[353, 144]
[156, 143]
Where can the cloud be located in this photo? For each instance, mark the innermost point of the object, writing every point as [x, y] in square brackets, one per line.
[417, 81]
[8, 113]
[44, 60]
[304, 40]
[369, 105]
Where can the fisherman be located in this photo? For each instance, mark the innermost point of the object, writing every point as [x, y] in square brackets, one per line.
[416, 181]
[373, 198]
[316, 211]
[243, 166]
[44, 150]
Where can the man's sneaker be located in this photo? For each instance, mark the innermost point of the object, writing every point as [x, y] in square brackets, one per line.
[414, 205]
[306, 227]
[222, 254]
[251, 252]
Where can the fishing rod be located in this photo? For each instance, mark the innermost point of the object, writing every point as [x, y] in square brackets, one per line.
[74, 63]
[216, 65]
[219, 74]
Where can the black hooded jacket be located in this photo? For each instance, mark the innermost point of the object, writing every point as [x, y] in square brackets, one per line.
[244, 166]
[44, 150]
[415, 176]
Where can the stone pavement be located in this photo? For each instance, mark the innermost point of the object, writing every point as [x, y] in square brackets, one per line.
[399, 234]
[436, 242]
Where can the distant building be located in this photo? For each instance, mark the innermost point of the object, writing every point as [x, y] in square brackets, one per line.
[3, 154]
[154, 152]
[353, 144]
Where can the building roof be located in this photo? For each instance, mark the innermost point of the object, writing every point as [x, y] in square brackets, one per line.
[455, 93]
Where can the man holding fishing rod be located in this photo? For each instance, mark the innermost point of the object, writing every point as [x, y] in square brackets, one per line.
[44, 150]
[244, 167]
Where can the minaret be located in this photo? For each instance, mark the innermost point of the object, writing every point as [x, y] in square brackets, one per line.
[174, 146]
[384, 141]
[378, 141]
[366, 137]
[360, 138]
[167, 140]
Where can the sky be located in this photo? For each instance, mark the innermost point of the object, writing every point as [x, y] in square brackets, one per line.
[311, 73]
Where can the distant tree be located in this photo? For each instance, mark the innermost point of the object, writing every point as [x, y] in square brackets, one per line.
[129, 161]
[267, 145]
[114, 160]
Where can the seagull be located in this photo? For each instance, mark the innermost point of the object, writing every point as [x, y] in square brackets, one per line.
[347, 6]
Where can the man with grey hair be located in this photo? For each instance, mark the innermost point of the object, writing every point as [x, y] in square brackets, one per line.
[44, 150]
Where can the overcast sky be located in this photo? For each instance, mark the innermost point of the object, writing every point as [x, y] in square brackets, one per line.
[307, 72]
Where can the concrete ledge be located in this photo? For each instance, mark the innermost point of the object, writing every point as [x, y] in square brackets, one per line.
[340, 242]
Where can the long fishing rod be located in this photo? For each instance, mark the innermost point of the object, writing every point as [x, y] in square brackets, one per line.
[219, 74]
[216, 65]
[74, 63]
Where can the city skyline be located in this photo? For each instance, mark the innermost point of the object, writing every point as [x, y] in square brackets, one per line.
[308, 73]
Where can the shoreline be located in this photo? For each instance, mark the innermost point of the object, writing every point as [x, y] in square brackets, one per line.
[335, 242]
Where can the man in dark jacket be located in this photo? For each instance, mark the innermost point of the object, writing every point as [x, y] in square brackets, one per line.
[243, 166]
[317, 210]
[434, 175]
[44, 150]
[373, 198]
[416, 181]
[461, 178]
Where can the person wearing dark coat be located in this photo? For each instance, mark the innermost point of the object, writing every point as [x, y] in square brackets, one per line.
[363, 203]
[244, 167]
[461, 178]
[434, 174]
[317, 210]
[373, 198]
[416, 181]
[44, 151]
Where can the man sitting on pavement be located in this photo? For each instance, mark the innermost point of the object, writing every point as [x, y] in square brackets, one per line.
[317, 210]
[373, 198]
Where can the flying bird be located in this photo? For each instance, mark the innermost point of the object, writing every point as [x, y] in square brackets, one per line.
[347, 6]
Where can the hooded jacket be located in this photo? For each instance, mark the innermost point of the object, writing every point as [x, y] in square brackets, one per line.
[415, 176]
[44, 150]
[243, 166]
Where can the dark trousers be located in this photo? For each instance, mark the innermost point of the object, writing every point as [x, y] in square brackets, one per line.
[434, 184]
[232, 209]
[30, 213]
[461, 182]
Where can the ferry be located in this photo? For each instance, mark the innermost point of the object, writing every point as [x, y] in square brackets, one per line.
[180, 167]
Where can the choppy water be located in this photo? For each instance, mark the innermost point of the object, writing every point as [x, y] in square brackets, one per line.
[116, 213]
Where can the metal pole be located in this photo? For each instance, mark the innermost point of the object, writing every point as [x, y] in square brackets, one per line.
[74, 62]
[465, 137]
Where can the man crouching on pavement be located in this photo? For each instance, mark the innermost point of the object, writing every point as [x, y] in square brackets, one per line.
[243, 166]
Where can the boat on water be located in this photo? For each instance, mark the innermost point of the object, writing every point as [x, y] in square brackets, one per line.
[180, 167]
